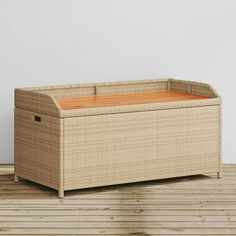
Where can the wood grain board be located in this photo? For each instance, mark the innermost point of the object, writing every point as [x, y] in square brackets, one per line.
[196, 205]
[125, 99]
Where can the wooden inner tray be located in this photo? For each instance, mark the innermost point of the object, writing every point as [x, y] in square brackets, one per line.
[124, 99]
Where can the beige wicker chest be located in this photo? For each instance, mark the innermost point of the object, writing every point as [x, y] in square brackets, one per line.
[80, 136]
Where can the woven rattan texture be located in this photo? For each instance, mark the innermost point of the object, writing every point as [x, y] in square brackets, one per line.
[79, 148]
[39, 148]
[113, 149]
[43, 99]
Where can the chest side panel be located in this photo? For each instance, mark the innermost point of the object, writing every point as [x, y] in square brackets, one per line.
[129, 147]
[39, 148]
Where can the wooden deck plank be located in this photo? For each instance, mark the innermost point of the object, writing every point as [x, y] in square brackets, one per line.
[197, 205]
[118, 224]
[120, 231]
[117, 218]
[119, 212]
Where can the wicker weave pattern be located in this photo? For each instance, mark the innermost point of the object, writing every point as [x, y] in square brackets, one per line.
[80, 148]
[42, 99]
[71, 92]
[192, 87]
[37, 102]
[113, 149]
[130, 88]
[39, 148]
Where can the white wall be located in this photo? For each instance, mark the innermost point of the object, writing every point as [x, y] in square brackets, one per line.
[59, 42]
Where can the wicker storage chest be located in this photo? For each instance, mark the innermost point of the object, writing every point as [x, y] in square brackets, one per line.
[80, 136]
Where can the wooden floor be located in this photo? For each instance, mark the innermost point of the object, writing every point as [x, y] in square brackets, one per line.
[198, 205]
